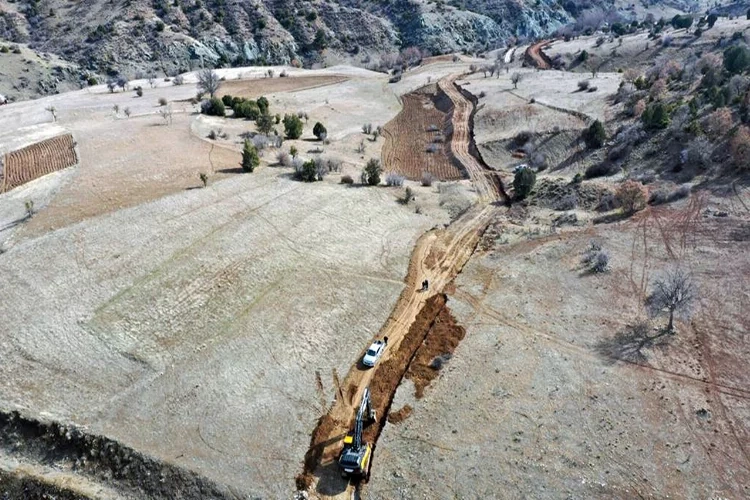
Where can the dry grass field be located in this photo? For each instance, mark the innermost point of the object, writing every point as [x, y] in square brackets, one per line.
[219, 329]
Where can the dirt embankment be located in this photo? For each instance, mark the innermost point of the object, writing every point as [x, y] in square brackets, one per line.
[95, 458]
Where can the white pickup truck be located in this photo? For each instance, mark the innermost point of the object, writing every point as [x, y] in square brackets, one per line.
[374, 352]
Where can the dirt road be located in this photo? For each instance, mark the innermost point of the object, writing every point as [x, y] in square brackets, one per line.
[484, 181]
[439, 257]
[536, 57]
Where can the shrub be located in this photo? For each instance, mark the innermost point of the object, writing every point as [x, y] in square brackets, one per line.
[521, 138]
[204, 179]
[306, 172]
[213, 107]
[139, 91]
[367, 128]
[408, 196]
[394, 180]
[682, 22]
[740, 148]
[594, 136]
[583, 84]
[601, 169]
[250, 158]
[567, 202]
[427, 179]
[247, 109]
[523, 183]
[284, 159]
[320, 131]
[292, 126]
[178, 80]
[432, 148]
[371, 173]
[631, 196]
[600, 263]
[228, 100]
[347, 179]
[264, 123]
[212, 135]
[663, 196]
[262, 104]
[162, 101]
[655, 116]
[593, 88]
[719, 122]
[736, 59]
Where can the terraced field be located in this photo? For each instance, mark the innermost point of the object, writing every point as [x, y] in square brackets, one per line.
[37, 160]
[416, 141]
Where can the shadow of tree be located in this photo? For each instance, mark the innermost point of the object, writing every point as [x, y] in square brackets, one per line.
[630, 344]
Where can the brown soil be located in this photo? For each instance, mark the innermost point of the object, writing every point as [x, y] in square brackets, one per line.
[39, 159]
[409, 134]
[442, 339]
[388, 375]
[260, 86]
[536, 57]
[485, 181]
[396, 417]
[321, 437]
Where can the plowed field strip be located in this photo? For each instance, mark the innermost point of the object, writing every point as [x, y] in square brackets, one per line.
[37, 160]
[409, 135]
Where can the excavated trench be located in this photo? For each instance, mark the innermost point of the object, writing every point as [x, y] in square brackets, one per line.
[432, 334]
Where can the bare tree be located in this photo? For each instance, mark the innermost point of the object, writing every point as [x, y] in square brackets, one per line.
[53, 112]
[674, 292]
[127, 112]
[208, 81]
[151, 80]
[122, 82]
[111, 85]
[29, 206]
[515, 78]
[166, 114]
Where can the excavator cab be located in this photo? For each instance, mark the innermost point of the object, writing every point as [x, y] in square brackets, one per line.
[356, 456]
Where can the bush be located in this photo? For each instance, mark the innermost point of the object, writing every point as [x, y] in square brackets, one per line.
[292, 126]
[139, 91]
[521, 138]
[427, 179]
[228, 100]
[347, 179]
[408, 196]
[320, 131]
[682, 22]
[371, 173]
[736, 59]
[213, 107]
[583, 84]
[306, 172]
[262, 104]
[631, 196]
[162, 101]
[394, 180]
[250, 158]
[247, 109]
[178, 80]
[523, 183]
[601, 170]
[284, 159]
[719, 122]
[655, 116]
[740, 148]
[663, 196]
[600, 262]
[264, 123]
[367, 128]
[594, 136]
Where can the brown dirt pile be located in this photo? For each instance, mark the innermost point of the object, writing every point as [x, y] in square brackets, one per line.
[438, 346]
[389, 374]
[321, 437]
[396, 417]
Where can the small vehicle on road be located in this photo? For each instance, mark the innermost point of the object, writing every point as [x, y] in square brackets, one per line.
[374, 352]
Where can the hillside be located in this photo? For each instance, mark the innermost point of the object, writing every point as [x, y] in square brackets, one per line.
[137, 37]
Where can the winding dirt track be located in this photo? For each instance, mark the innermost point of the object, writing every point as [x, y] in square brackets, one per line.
[439, 257]
[483, 179]
[535, 55]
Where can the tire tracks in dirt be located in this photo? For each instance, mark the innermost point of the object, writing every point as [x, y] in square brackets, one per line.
[439, 256]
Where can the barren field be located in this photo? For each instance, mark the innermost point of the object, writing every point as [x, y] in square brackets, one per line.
[544, 399]
[261, 86]
[39, 159]
[417, 140]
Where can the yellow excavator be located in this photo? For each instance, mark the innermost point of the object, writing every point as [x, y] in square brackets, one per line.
[356, 456]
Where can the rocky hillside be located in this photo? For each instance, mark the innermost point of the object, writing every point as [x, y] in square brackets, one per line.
[135, 37]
